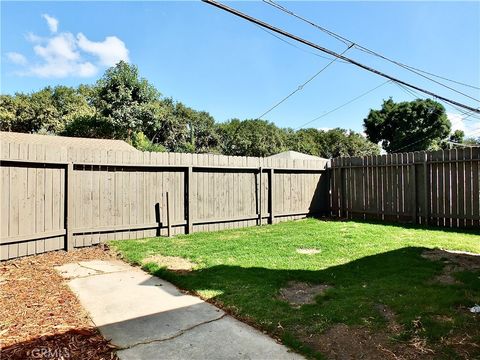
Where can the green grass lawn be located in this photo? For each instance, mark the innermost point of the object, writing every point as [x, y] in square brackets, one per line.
[366, 264]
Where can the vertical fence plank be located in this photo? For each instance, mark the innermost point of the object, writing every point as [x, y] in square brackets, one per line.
[454, 181]
[190, 199]
[468, 187]
[476, 187]
[462, 187]
[69, 241]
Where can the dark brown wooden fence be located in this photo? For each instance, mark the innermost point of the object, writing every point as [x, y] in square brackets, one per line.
[438, 188]
[60, 198]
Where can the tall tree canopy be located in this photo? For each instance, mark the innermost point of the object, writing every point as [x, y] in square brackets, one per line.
[251, 138]
[125, 100]
[331, 143]
[122, 105]
[408, 126]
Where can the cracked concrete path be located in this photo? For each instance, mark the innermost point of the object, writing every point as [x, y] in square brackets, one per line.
[149, 318]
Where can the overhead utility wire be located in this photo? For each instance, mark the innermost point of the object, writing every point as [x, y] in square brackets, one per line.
[415, 95]
[408, 91]
[364, 49]
[343, 105]
[300, 87]
[332, 53]
[295, 46]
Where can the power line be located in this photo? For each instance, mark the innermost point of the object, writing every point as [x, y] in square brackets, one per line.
[460, 144]
[300, 87]
[371, 52]
[332, 53]
[343, 105]
[415, 95]
[295, 46]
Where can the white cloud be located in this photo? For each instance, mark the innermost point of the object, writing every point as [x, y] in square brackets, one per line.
[65, 54]
[51, 22]
[61, 58]
[60, 69]
[457, 121]
[62, 46]
[17, 58]
[109, 52]
[460, 122]
[31, 37]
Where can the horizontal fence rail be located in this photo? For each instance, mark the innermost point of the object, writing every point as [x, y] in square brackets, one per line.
[438, 188]
[63, 198]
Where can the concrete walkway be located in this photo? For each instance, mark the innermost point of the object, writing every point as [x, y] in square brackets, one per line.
[149, 318]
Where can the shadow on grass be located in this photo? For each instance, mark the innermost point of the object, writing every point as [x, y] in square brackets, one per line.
[401, 280]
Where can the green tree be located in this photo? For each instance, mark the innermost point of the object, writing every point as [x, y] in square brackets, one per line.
[167, 129]
[8, 112]
[142, 143]
[341, 142]
[408, 126]
[331, 143]
[125, 100]
[201, 132]
[71, 103]
[29, 113]
[251, 138]
[89, 127]
[307, 141]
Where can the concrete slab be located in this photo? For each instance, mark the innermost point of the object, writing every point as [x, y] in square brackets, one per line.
[74, 270]
[106, 266]
[226, 338]
[133, 307]
[149, 318]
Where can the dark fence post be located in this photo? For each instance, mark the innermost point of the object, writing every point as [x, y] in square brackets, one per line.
[260, 196]
[342, 189]
[69, 245]
[169, 217]
[426, 210]
[413, 187]
[188, 179]
[270, 196]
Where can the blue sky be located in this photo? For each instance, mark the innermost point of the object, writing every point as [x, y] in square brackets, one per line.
[213, 61]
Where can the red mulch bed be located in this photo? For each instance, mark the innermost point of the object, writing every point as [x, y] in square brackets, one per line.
[40, 317]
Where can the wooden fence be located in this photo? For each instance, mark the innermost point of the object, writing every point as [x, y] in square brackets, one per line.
[61, 198]
[434, 188]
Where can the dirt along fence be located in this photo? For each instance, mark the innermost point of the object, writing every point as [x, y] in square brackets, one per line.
[55, 197]
[438, 188]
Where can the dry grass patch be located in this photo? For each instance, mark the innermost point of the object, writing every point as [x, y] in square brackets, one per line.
[308, 251]
[300, 293]
[173, 263]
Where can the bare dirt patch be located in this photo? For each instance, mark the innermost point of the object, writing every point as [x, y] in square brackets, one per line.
[40, 315]
[300, 293]
[459, 260]
[308, 251]
[390, 317]
[358, 342]
[454, 261]
[173, 263]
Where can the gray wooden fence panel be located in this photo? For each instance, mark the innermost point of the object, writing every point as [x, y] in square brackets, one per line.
[117, 195]
[439, 188]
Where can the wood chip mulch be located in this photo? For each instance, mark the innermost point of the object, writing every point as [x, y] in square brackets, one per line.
[40, 317]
